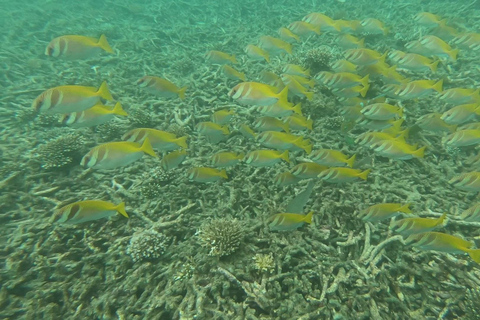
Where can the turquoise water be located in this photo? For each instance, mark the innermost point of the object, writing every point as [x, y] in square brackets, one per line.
[196, 250]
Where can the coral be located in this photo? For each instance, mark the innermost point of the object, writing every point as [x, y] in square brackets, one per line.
[472, 307]
[43, 120]
[26, 115]
[177, 130]
[110, 131]
[139, 118]
[222, 237]
[146, 244]
[264, 262]
[333, 123]
[317, 60]
[154, 180]
[60, 152]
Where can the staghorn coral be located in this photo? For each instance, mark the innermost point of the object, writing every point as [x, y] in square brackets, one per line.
[472, 306]
[317, 60]
[146, 244]
[221, 237]
[154, 180]
[60, 152]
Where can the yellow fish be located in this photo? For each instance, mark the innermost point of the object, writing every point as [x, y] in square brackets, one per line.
[161, 140]
[223, 116]
[112, 155]
[77, 47]
[296, 88]
[472, 214]
[219, 57]
[341, 175]
[343, 66]
[351, 92]
[303, 29]
[232, 74]
[88, 210]
[213, 131]
[342, 80]
[68, 99]
[372, 138]
[204, 174]
[461, 114]
[296, 70]
[298, 122]
[410, 226]
[347, 41]
[258, 94]
[373, 26]
[332, 158]
[289, 221]
[274, 45]
[417, 62]
[256, 53]
[226, 159]
[382, 111]
[307, 170]
[470, 41]
[427, 19]
[399, 150]
[266, 158]
[418, 89]
[285, 179]
[270, 124]
[325, 23]
[173, 159]
[93, 116]
[284, 141]
[247, 132]
[433, 122]
[363, 56]
[280, 109]
[432, 46]
[384, 211]
[469, 181]
[306, 83]
[162, 87]
[287, 35]
[270, 78]
[462, 138]
[458, 96]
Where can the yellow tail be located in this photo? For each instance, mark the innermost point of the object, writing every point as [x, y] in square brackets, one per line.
[309, 124]
[121, 209]
[182, 142]
[405, 208]
[104, 93]
[223, 174]
[420, 153]
[307, 146]
[350, 161]
[283, 95]
[147, 148]
[364, 174]
[363, 92]
[474, 254]
[438, 86]
[453, 54]
[364, 81]
[118, 110]
[309, 95]
[103, 43]
[308, 217]
[433, 66]
[298, 108]
[181, 93]
[285, 156]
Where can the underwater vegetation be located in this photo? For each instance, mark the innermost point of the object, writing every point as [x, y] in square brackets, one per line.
[239, 160]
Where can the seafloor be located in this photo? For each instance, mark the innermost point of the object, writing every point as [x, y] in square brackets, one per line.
[337, 268]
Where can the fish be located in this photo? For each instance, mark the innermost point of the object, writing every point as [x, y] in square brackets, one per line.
[472, 214]
[395, 56]
[287, 79]
[270, 78]
[364, 57]
[285, 179]
[341, 174]
[266, 158]
[347, 41]
[351, 92]
[381, 70]
[461, 114]
[94, 116]
[223, 116]
[445, 32]
[348, 26]
[270, 124]
[77, 47]
[307, 170]
[296, 70]
[226, 159]
[173, 159]
[303, 29]
[274, 46]
[289, 221]
[433, 122]
[325, 23]
[213, 131]
[112, 155]
[462, 138]
[205, 175]
[409, 226]
[332, 158]
[284, 141]
[287, 35]
[417, 62]
[398, 150]
[418, 89]
[296, 88]
[342, 80]
[470, 126]
[343, 66]
[469, 41]
[469, 181]
[432, 46]
[88, 210]
[247, 132]
[232, 74]
[372, 138]
[280, 110]
[427, 19]
[373, 26]
[256, 53]
[68, 99]
[299, 122]
[258, 94]
[161, 140]
[458, 96]
[380, 124]
[162, 87]
[383, 211]
[382, 111]
[219, 57]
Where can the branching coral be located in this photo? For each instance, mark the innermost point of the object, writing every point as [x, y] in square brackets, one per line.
[221, 237]
[146, 244]
[60, 152]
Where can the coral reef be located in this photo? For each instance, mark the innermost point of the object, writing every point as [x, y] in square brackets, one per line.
[221, 237]
[317, 60]
[146, 244]
[61, 152]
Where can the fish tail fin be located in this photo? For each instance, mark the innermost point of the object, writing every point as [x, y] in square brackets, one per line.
[433, 66]
[364, 174]
[103, 43]
[241, 155]
[350, 161]
[438, 86]
[361, 43]
[121, 209]
[223, 174]
[288, 48]
[266, 56]
[364, 90]
[309, 124]
[386, 31]
[403, 134]
[181, 93]
[405, 208]
[453, 54]
[233, 59]
[474, 254]
[364, 81]
[182, 142]
[453, 128]
[104, 93]
[118, 110]
[317, 30]
[283, 95]
[308, 217]
[225, 130]
[309, 95]
[307, 146]
[242, 76]
[420, 153]
[298, 108]
[147, 148]
[400, 112]
[286, 127]
[285, 156]
[441, 219]
[396, 125]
